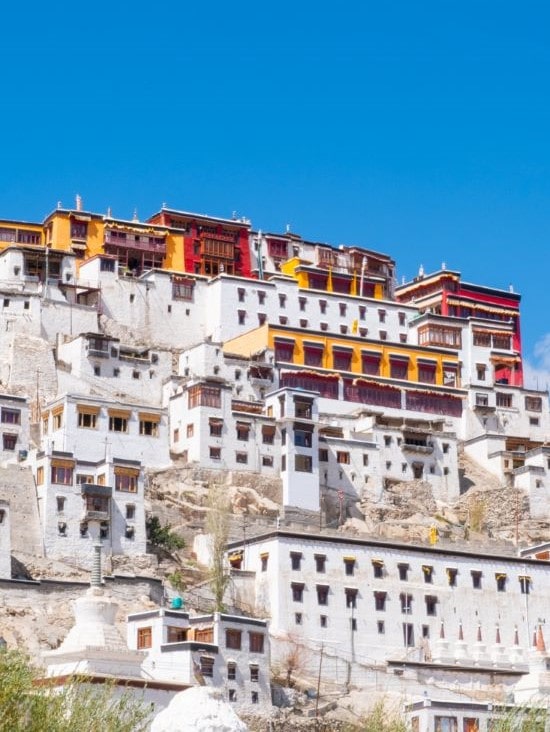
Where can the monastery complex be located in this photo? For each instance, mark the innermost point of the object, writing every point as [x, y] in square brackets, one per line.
[189, 340]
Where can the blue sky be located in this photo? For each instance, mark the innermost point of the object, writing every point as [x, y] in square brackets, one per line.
[418, 129]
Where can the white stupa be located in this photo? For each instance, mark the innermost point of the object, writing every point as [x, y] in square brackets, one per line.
[200, 709]
[94, 645]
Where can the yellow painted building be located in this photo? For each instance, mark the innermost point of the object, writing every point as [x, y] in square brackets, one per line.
[22, 233]
[359, 356]
[310, 277]
[137, 245]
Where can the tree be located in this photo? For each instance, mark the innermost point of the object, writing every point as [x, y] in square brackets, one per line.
[30, 704]
[217, 528]
[163, 536]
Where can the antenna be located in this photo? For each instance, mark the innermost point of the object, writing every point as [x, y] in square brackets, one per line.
[78, 202]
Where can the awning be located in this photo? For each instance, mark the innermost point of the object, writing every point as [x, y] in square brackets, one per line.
[149, 417]
[87, 409]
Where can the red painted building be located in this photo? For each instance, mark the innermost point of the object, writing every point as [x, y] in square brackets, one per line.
[444, 293]
[211, 245]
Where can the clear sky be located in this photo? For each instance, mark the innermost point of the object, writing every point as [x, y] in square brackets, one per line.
[420, 129]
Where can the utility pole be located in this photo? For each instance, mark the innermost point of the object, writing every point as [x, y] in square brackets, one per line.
[318, 687]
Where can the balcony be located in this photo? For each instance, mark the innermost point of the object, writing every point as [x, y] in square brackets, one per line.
[417, 446]
[131, 241]
[97, 502]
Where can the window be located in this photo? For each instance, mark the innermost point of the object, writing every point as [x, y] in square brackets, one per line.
[60, 502]
[118, 423]
[9, 441]
[351, 597]
[233, 639]
[241, 316]
[323, 306]
[525, 584]
[406, 603]
[62, 528]
[342, 458]
[190, 430]
[241, 458]
[451, 576]
[11, 416]
[144, 638]
[382, 316]
[116, 372]
[381, 627]
[175, 634]
[202, 395]
[215, 453]
[126, 480]
[402, 338]
[431, 605]
[403, 570]
[476, 579]
[149, 427]
[323, 621]
[322, 594]
[320, 562]
[501, 581]
[267, 461]
[216, 427]
[534, 421]
[282, 301]
[362, 312]
[408, 635]
[426, 373]
[343, 308]
[504, 400]
[303, 463]
[480, 372]
[297, 591]
[341, 359]
[207, 668]
[428, 572]
[378, 568]
[399, 368]
[380, 601]
[323, 326]
[313, 354]
[298, 618]
[446, 724]
[254, 672]
[303, 435]
[241, 292]
[62, 475]
[296, 561]
[268, 434]
[243, 429]
[349, 565]
[130, 511]
[97, 371]
[302, 301]
[365, 459]
[323, 455]
[204, 635]
[402, 318]
[533, 404]
[87, 420]
[231, 671]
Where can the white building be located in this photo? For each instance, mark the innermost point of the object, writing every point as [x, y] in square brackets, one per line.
[95, 363]
[81, 501]
[377, 601]
[92, 426]
[227, 652]
[14, 422]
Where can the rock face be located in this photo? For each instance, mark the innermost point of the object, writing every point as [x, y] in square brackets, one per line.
[201, 709]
